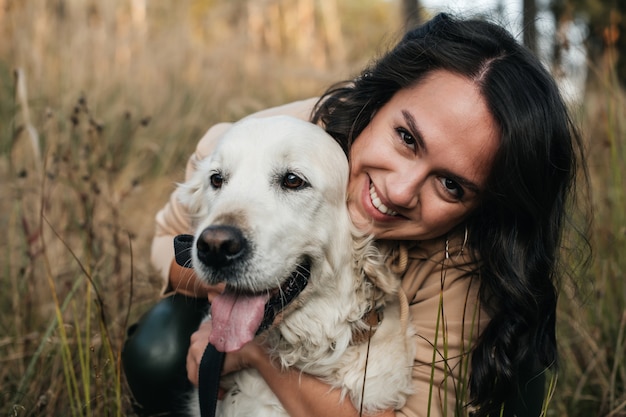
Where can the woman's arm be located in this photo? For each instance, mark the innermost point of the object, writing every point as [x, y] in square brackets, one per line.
[301, 394]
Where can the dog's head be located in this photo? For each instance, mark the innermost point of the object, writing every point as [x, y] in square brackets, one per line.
[269, 208]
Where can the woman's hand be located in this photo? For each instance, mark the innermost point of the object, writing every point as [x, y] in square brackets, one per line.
[184, 281]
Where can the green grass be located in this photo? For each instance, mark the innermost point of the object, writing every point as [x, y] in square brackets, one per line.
[116, 109]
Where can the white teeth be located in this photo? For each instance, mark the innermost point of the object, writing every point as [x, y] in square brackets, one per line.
[379, 205]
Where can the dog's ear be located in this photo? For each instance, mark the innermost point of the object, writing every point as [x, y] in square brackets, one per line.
[192, 196]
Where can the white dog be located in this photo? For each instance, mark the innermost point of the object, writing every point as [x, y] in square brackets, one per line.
[269, 210]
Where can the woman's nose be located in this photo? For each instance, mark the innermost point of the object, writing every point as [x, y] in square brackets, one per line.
[404, 190]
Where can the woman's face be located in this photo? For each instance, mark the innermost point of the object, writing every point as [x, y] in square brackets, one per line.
[419, 167]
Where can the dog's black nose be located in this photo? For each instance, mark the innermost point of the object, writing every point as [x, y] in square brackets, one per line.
[220, 245]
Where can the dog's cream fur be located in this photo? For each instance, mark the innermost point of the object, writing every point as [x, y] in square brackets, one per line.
[283, 225]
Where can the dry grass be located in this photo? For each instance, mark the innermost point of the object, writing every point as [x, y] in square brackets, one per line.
[592, 326]
[99, 110]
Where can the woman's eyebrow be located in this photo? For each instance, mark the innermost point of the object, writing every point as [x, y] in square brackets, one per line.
[417, 134]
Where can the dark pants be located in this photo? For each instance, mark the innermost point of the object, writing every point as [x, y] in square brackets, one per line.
[155, 352]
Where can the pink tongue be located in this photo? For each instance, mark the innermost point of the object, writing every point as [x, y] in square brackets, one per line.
[236, 319]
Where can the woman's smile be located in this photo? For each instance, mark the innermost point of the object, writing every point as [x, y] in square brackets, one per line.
[379, 205]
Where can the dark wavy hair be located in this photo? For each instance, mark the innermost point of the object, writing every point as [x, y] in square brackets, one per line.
[517, 231]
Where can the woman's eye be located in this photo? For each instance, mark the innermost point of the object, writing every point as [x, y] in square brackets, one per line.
[217, 180]
[453, 188]
[292, 181]
[406, 137]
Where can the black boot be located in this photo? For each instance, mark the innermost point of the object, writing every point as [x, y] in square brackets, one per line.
[155, 353]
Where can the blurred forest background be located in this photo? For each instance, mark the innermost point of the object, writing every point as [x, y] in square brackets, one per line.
[101, 102]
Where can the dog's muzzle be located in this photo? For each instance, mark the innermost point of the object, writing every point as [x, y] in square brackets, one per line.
[219, 245]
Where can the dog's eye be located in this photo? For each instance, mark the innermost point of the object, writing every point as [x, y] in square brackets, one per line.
[292, 181]
[217, 180]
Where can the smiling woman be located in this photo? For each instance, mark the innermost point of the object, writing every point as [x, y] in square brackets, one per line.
[463, 161]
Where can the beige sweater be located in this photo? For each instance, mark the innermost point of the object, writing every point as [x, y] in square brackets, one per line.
[440, 285]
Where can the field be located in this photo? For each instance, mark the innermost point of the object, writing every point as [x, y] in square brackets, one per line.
[100, 106]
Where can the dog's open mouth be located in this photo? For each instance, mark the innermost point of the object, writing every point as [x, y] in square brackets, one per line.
[237, 317]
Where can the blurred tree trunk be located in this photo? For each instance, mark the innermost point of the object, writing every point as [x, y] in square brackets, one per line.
[561, 13]
[308, 30]
[411, 13]
[620, 43]
[332, 30]
[530, 29]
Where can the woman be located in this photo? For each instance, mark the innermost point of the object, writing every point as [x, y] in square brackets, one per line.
[463, 160]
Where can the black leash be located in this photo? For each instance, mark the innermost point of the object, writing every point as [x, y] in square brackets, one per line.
[209, 380]
[212, 360]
